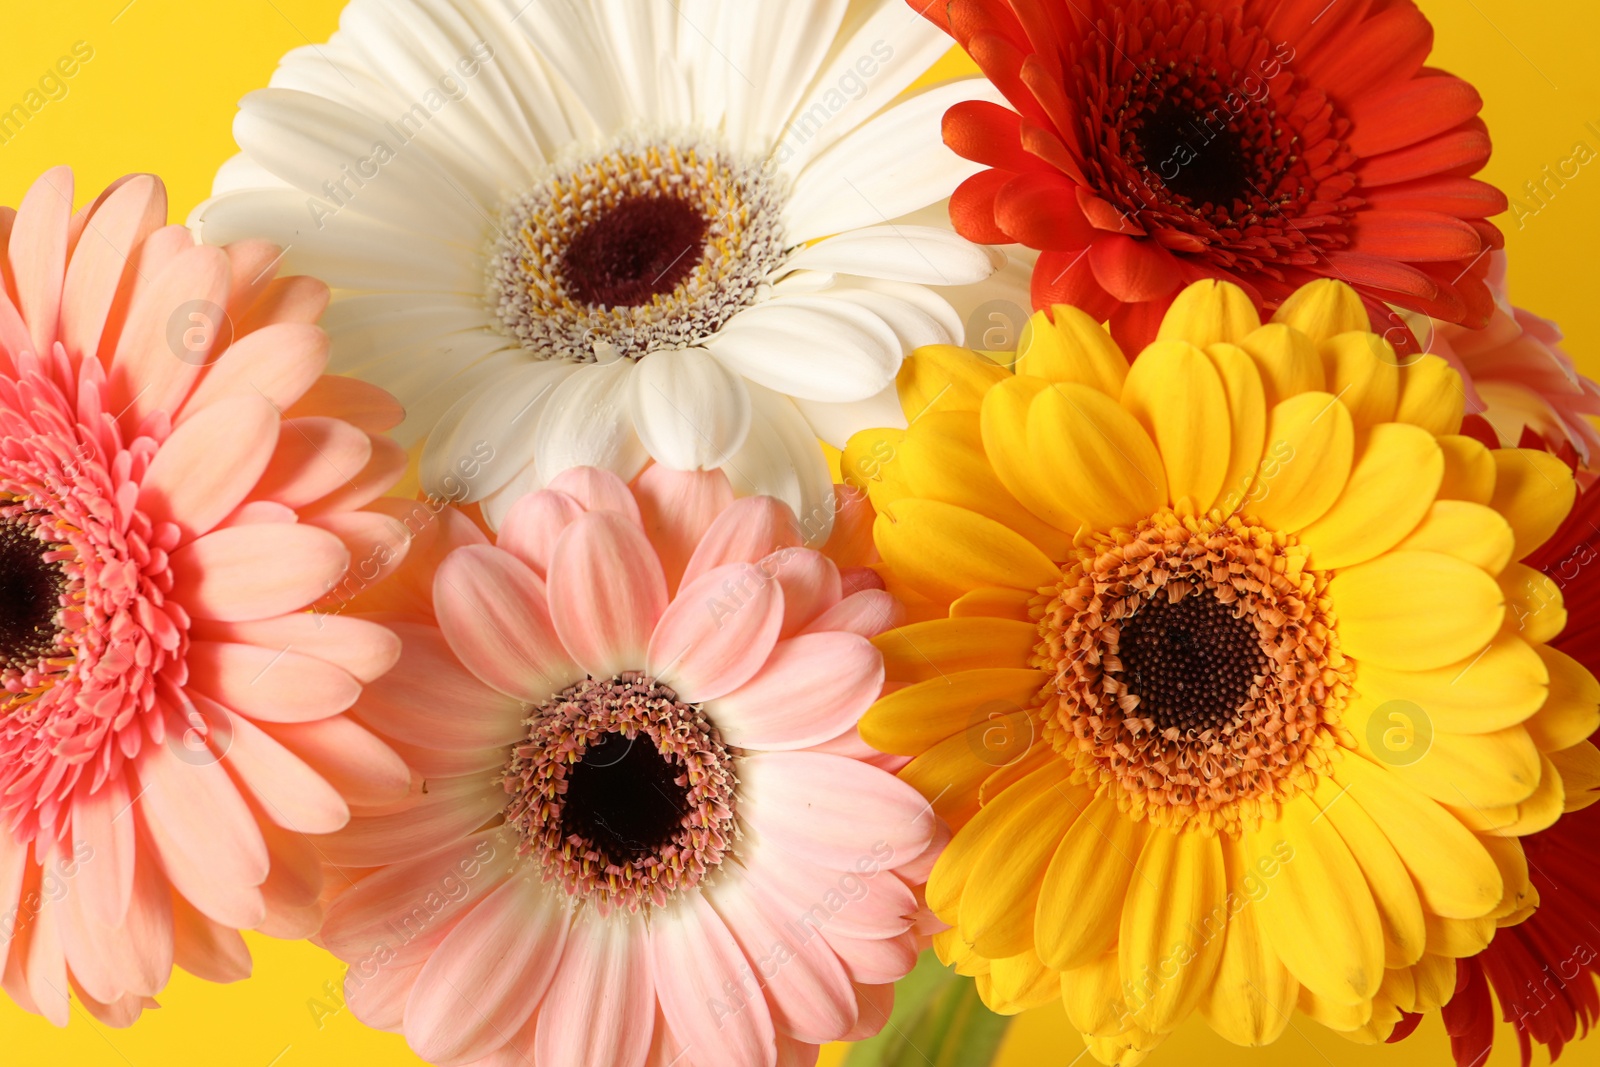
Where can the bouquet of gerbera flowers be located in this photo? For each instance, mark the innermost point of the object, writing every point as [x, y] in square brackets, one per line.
[558, 529]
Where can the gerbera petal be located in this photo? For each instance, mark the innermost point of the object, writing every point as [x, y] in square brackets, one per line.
[945, 550]
[717, 632]
[690, 412]
[1391, 488]
[1310, 443]
[1176, 394]
[1180, 887]
[812, 688]
[899, 253]
[585, 424]
[693, 999]
[1119, 477]
[607, 591]
[1080, 899]
[832, 811]
[677, 509]
[238, 573]
[1450, 610]
[811, 347]
[210, 464]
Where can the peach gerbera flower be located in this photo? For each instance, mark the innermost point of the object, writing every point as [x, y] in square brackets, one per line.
[649, 831]
[169, 503]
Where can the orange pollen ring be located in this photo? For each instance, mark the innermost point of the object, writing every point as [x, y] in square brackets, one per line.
[1209, 713]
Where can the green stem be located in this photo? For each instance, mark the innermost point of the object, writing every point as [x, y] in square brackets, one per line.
[938, 1019]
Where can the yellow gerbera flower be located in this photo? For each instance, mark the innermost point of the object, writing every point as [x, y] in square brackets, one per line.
[1228, 681]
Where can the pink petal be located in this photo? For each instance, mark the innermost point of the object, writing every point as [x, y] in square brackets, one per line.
[451, 809]
[256, 572]
[868, 613]
[876, 961]
[279, 362]
[206, 949]
[13, 865]
[806, 985]
[873, 1004]
[378, 546]
[379, 999]
[716, 634]
[607, 592]
[143, 962]
[148, 372]
[359, 403]
[361, 768]
[747, 530]
[833, 811]
[273, 685]
[492, 610]
[678, 507]
[292, 794]
[532, 526]
[693, 956]
[810, 585]
[364, 648]
[487, 978]
[598, 1012]
[46, 966]
[868, 901]
[314, 457]
[382, 471]
[210, 847]
[297, 299]
[251, 266]
[128, 215]
[102, 826]
[429, 699]
[814, 687]
[597, 490]
[447, 763]
[38, 253]
[392, 903]
[209, 464]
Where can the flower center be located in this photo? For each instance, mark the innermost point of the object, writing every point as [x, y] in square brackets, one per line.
[1197, 669]
[32, 585]
[622, 793]
[653, 243]
[1191, 662]
[1195, 156]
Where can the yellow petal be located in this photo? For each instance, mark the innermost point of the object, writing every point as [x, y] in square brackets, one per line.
[867, 462]
[1335, 1015]
[1093, 458]
[1500, 687]
[939, 647]
[1472, 532]
[1579, 768]
[1455, 876]
[1543, 808]
[1364, 373]
[942, 458]
[1513, 863]
[997, 821]
[1287, 360]
[1247, 417]
[996, 912]
[1172, 927]
[1020, 982]
[1004, 422]
[1431, 396]
[1572, 710]
[1393, 892]
[945, 378]
[1323, 309]
[1209, 311]
[1535, 609]
[1253, 992]
[945, 551]
[911, 720]
[951, 950]
[1390, 489]
[1469, 470]
[1415, 610]
[949, 776]
[1073, 348]
[1459, 937]
[1534, 491]
[1489, 770]
[1310, 443]
[1086, 884]
[1092, 995]
[994, 603]
[1435, 980]
[1318, 911]
[1175, 392]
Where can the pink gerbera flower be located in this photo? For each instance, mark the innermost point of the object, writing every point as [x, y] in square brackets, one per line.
[177, 482]
[649, 831]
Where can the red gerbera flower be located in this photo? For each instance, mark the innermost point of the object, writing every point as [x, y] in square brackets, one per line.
[1543, 970]
[1151, 143]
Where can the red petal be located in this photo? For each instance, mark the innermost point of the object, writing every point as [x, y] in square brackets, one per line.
[1042, 143]
[1067, 278]
[1001, 62]
[987, 133]
[1041, 211]
[1102, 216]
[1386, 48]
[1465, 198]
[970, 19]
[936, 13]
[1415, 236]
[1133, 326]
[972, 207]
[1463, 150]
[1412, 111]
[1131, 269]
[1389, 323]
[1381, 272]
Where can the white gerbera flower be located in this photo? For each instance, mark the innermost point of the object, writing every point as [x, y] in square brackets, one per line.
[595, 233]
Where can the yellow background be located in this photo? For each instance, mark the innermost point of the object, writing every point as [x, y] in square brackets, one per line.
[159, 95]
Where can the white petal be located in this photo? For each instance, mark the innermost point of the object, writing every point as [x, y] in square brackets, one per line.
[788, 44]
[242, 172]
[781, 458]
[497, 504]
[836, 423]
[810, 346]
[901, 253]
[690, 411]
[895, 163]
[917, 315]
[487, 437]
[586, 423]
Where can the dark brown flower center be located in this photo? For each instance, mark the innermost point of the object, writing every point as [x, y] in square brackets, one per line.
[624, 797]
[1198, 156]
[1190, 662]
[31, 588]
[639, 248]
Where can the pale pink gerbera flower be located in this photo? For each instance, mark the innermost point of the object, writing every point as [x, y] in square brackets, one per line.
[649, 831]
[171, 496]
[1517, 377]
